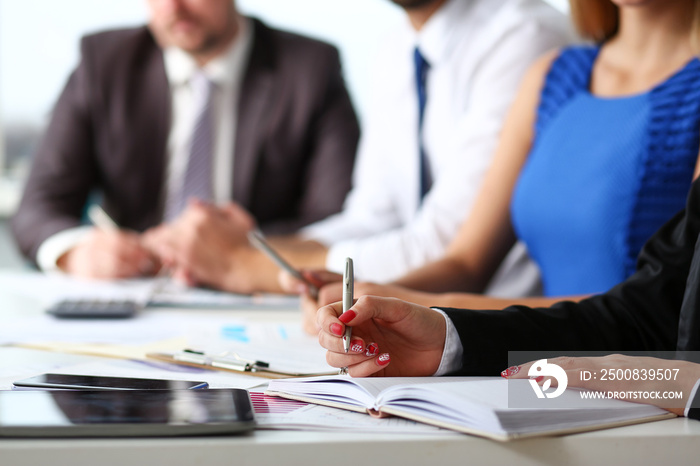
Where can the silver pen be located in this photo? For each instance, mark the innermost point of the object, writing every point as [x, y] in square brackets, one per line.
[257, 239]
[348, 285]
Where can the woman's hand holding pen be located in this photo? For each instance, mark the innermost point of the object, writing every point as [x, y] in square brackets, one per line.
[330, 290]
[390, 337]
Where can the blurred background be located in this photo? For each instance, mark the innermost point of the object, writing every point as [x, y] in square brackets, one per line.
[39, 48]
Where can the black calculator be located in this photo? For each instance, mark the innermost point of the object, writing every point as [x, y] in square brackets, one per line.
[94, 309]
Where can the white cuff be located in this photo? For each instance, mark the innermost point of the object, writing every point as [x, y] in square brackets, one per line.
[691, 398]
[335, 258]
[453, 351]
[58, 244]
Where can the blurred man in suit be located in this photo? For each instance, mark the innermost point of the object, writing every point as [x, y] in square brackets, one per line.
[203, 103]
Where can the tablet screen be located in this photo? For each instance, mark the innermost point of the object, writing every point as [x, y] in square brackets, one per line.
[124, 413]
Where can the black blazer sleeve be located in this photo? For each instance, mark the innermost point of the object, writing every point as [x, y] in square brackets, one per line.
[63, 170]
[335, 133]
[314, 116]
[107, 133]
[640, 314]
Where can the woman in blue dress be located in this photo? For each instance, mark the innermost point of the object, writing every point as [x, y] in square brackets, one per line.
[598, 151]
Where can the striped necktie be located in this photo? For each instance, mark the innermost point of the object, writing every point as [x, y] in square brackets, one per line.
[421, 69]
[197, 182]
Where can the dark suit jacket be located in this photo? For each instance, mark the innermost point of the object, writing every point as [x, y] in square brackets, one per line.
[294, 151]
[656, 309]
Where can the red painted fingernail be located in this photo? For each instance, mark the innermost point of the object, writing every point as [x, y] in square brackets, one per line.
[347, 316]
[372, 350]
[539, 379]
[512, 370]
[356, 346]
[383, 359]
[314, 278]
[336, 329]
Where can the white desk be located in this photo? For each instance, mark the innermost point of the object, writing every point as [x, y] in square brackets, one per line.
[667, 442]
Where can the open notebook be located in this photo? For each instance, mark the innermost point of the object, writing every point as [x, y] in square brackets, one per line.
[478, 406]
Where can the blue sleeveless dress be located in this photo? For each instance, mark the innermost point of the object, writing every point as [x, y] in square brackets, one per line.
[604, 173]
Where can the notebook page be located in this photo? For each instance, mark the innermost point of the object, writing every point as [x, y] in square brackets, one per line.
[487, 391]
[569, 411]
[335, 389]
[484, 405]
[469, 401]
[363, 391]
[322, 418]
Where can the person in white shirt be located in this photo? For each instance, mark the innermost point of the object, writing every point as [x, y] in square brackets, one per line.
[203, 102]
[475, 54]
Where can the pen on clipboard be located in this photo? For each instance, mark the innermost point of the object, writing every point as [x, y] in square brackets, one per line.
[257, 239]
[231, 361]
[348, 285]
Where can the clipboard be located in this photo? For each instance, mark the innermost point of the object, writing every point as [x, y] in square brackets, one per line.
[231, 362]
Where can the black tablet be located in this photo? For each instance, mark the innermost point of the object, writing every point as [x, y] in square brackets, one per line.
[95, 382]
[125, 413]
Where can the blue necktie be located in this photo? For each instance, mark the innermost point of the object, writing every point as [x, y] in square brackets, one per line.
[421, 68]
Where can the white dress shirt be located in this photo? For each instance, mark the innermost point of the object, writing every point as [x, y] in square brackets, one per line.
[227, 72]
[478, 51]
